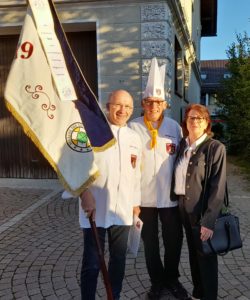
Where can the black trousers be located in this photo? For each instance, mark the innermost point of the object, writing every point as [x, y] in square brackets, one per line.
[204, 269]
[162, 273]
[117, 241]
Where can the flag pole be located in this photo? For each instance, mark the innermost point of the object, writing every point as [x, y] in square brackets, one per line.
[101, 259]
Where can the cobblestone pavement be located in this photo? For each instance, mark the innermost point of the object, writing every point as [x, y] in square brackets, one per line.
[41, 246]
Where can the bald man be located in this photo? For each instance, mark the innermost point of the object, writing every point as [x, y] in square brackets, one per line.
[112, 199]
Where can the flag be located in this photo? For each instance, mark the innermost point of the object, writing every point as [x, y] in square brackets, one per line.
[66, 132]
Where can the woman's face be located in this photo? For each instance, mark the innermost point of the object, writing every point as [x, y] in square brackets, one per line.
[196, 123]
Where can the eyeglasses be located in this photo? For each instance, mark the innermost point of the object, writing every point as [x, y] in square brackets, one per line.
[152, 102]
[120, 106]
[197, 119]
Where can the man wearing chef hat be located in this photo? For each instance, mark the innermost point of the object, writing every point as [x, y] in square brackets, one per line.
[160, 137]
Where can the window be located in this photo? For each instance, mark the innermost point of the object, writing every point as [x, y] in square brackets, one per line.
[203, 76]
[178, 69]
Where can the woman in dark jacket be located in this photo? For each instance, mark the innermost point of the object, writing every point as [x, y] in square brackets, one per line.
[188, 188]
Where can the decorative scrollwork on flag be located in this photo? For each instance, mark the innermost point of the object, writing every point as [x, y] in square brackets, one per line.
[36, 94]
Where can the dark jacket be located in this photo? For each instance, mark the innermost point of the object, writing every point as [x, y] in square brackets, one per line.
[215, 188]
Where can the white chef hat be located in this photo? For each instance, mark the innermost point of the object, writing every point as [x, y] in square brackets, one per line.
[156, 79]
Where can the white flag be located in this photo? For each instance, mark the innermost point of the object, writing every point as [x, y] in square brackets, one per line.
[54, 126]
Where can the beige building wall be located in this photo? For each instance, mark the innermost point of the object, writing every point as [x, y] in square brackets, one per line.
[129, 34]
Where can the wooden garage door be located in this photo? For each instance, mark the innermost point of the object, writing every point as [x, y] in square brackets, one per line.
[19, 157]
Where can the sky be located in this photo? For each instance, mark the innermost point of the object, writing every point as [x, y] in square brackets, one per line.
[233, 16]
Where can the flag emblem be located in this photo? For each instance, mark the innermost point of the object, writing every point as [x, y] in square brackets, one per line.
[77, 138]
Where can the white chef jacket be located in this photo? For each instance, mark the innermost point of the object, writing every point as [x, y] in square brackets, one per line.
[157, 163]
[117, 189]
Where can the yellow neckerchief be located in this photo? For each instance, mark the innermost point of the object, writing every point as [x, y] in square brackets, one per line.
[153, 131]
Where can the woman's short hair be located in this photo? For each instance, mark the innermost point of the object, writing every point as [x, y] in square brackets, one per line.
[203, 112]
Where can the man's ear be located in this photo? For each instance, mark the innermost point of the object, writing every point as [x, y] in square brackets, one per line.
[165, 105]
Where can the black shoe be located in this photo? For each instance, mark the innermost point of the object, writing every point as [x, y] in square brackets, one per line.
[154, 292]
[178, 291]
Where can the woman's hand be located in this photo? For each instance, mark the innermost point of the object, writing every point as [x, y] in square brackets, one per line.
[206, 233]
[88, 204]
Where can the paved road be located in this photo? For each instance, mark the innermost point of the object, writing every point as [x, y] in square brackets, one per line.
[41, 246]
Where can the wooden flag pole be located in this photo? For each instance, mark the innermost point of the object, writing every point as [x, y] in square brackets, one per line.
[102, 261]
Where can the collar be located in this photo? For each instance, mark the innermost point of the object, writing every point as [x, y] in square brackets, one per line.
[116, 128]
[197, 142]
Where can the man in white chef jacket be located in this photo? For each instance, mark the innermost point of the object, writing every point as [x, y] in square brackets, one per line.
[112, 199]
[160, 137]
